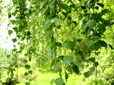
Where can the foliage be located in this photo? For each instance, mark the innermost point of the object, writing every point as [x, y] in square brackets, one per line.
[64, 34]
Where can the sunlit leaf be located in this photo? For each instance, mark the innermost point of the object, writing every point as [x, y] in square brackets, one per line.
[52, 81]
[55, 21]
[46, 10]
[78, 62]
[59, 81]
[69, 44]
[27, 83]
[13, 22]
[92, 69]
[91, 23]
[14, 39]
[87, 74]
[46, 25]
[95, 38]
[65, 7]
[52, 8]
[89, 42]
[10, 32]
[50, 53]
[95, 64]
[67, 60]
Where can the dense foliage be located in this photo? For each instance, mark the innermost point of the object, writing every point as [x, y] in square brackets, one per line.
[66, 35]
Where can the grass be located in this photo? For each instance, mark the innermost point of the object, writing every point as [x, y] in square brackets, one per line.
[44, 77]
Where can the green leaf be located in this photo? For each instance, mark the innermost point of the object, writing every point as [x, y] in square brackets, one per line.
[53, 62]
[49, 34]
[8, 56]
[65, 14]
[92, 69]
[66, 75]
[87, 74]
[69, 44]
[55, 21]
[96, 45]
[95, 38]
[79, 40]
[46, 25]
[10, 32]
[61, 57]
[100, 4]
[27, 66]
[86, 55]
[111, 46]
[106, 22]
[52, 81]
[27, 83]
[51, 50]
[89, 42]
[26, 74]
[52, 8]
[53, 40]
[95, 64]
[96, 7]
[14, 40]
[92, 59]
[78, 62]
[13, 22]
[91, 23]
[59, 81]
[50, 53]
[60, 72]
[9, 14]
[30, 71]
[83, 7]
[80, 53]
[15, 29]
[65, 7]
[46, 10]
[103, 12]
[67, 60]
[83, 27]
[103, 44]
[58, 44]
[75, 69]
[28, 33]
[41, 5]
[58, 26]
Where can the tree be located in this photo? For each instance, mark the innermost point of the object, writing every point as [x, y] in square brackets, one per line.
[75, 31]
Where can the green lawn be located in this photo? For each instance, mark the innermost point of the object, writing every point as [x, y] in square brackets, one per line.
[44, 77]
